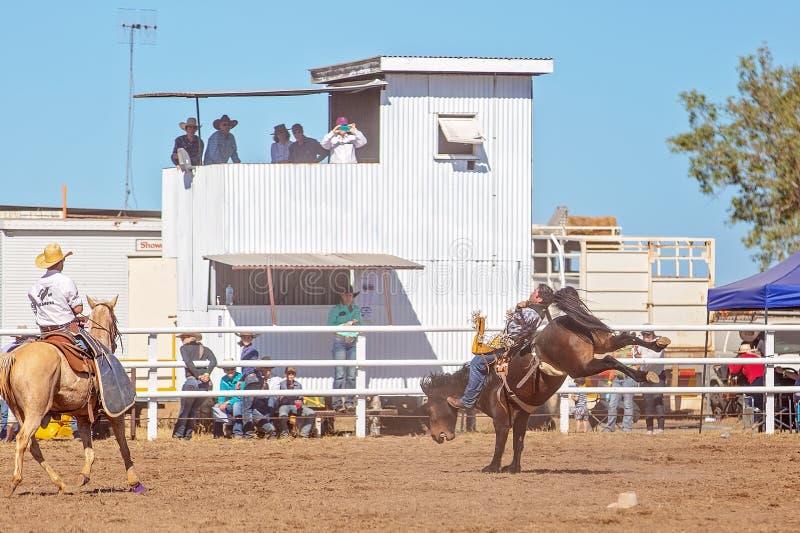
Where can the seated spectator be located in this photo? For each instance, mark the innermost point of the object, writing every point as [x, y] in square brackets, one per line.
[281, 145]
[305, 149]
[189, 142]
[754, 374]
[228, 410]
[293, 405]
[264, 406]
[342, 141]
[222, 143]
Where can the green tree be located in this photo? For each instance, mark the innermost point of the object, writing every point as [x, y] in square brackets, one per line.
[751, 144]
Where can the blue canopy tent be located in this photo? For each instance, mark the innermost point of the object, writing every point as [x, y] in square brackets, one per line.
[778, 287]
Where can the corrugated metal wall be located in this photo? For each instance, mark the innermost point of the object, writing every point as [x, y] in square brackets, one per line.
[469, 228]
[99, 267]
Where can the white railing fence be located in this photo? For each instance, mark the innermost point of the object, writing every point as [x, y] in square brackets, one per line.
[361, 392]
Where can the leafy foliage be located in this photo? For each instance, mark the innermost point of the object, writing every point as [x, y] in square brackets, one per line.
[751, 143]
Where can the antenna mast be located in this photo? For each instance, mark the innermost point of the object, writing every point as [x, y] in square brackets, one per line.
[131, 22]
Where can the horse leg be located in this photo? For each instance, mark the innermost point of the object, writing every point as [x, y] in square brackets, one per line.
[608, 362]
[500, 438]
[118, 426]
[85, 432]
[25, 441]
[519, 428]
[615, 342]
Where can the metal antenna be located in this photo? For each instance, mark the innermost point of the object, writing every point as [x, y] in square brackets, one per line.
[133, 22]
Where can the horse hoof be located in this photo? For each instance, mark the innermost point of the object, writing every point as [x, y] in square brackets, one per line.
[652, 377]
[139, 489]
[663, 342]
[85, 481]
[510, 469]
[491, 469]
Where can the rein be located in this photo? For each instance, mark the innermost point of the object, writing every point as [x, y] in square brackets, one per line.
[112, 330]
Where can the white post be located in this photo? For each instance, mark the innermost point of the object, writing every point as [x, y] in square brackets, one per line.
[563, 417]
[361, 383]
[152, 386]
[769, 381]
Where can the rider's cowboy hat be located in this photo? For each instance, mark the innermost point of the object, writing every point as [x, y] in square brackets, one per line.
[52, 255]
[196, 336]
[191, 121]
[224, 118]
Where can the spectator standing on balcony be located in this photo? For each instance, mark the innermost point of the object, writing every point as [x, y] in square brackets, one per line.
[196, 379]
[228, 410]
[342, 141]
[345, 313]
[293, 405]
[189, 142]
[251, 379]
[281, 145]
[305, 149]
[222, 143]
[653, 403]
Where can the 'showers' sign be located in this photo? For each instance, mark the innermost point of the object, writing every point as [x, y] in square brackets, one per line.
[148, 245]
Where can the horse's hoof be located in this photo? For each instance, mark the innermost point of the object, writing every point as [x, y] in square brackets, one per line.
[652, 377]
[139, 489]
[491, 469]
[510, 469]
[85, 481]
[663, 342]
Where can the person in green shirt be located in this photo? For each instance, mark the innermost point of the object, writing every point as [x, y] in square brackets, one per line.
[345, 313]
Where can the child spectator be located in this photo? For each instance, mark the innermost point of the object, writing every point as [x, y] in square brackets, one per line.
[264, 406]
[293, 405]
[228, 410]
[581, 409]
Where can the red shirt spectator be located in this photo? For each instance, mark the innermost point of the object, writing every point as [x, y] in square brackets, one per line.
[751, 372]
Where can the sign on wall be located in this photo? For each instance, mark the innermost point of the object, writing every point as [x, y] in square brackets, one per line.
[148, 245]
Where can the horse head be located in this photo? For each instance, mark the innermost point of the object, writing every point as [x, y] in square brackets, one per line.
[442, 416]
[103, 322]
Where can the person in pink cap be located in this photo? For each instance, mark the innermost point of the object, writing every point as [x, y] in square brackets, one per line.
[342, 141]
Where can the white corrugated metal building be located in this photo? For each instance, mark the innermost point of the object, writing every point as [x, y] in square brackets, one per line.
[102, 244]
[444, 182]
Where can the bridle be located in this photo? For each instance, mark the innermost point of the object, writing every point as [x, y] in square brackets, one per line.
[112, 330]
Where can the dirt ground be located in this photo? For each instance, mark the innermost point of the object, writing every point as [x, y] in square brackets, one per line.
[684, 482]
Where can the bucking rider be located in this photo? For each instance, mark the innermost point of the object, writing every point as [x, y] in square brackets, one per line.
[523, 323]
[54, 297]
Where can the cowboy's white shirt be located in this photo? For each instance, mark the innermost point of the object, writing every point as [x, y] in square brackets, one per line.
[52, 298]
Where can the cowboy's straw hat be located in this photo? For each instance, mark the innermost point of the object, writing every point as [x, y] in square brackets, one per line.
[196, 336]
[52, 254]
[247, 334]
[191, 121]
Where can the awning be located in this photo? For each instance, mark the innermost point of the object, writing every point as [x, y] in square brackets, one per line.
[346, 88]
[315, 261]
[464, 130]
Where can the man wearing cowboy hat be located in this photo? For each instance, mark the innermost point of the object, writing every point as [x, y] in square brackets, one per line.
[196, 379]
[54, 297]
[222, 143]
[189, 142]
[345, 313]
[252, 380]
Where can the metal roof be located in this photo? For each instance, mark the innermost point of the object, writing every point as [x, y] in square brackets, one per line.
[346, 88]
[376, 66]
[315, 261]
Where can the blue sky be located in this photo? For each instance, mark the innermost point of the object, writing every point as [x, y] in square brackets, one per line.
[600, 121]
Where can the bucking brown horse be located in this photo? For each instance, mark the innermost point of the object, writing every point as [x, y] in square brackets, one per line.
[36, 380]
[575, 344]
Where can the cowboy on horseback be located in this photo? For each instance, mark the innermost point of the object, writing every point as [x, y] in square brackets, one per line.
[522, 324]
[54, 297]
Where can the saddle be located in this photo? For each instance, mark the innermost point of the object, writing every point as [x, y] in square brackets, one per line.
[79, 361]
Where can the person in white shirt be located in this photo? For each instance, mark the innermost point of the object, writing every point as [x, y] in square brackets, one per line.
[54, 297]
[653, 403]
[342, 142]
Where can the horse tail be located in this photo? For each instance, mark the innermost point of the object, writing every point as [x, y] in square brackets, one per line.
[568, 301]
[6, 362]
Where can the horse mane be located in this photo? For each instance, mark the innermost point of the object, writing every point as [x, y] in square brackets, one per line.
[441, 382]
[568, 301]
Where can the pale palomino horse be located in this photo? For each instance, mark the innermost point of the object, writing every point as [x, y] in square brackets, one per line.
[35, 380]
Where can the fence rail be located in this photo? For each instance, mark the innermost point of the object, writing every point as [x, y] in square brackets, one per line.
[361, 362]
